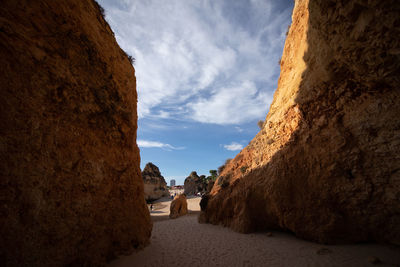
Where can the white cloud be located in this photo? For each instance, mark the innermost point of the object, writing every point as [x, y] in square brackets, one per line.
[233, 146]
[231, 105]
[198, 54]
[239, 129]
[146, 143]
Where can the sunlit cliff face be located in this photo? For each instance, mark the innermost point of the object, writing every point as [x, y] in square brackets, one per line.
[324, 164]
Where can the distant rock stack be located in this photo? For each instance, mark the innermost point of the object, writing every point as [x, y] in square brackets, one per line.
[155, 186]
[194, 184]
[325, 165]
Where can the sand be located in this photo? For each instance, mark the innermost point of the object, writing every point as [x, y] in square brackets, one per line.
[185, 242]
[161, 208]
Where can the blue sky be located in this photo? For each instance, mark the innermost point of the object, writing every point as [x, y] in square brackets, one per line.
[206, 72]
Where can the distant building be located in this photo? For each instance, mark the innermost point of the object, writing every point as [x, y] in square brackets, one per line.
[173, 182]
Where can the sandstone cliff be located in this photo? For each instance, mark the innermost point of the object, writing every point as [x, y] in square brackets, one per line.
[71, 191]
[326, 164]
[194, 184]
[155, 186]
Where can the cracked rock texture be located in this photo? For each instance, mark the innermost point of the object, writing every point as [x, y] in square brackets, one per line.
[178, 206]
[155, 186]
[194, 184]
[71, 191]
[326, 164]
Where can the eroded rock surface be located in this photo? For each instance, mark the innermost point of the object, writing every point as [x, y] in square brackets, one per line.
[194, 184]
[178, 206]
[326, 164]
[71, 192]
[155, 186]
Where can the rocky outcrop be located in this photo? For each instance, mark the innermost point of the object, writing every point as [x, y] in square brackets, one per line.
[202, 218]
[194, 184]
[190, 184]
[210, 186]
[178, 206]
[325, 165]
[155, 186]
[71, 192]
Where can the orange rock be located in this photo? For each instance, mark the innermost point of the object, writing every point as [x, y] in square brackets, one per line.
[178, 206]
[155, 186]
[325, 165]
[71, 191]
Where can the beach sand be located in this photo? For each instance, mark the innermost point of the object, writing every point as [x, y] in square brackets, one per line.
[161, 208]
[185, 242]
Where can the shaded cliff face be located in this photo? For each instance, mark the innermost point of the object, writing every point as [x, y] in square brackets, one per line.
[325, 166]
[194, 184]
[155, 186]
[71, 190]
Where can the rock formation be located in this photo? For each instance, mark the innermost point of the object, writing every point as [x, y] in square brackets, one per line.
[194, 184]
[155, 186]
[178, 206]
[71, 192]
[326, 163]
[210, 186]
[202, 218]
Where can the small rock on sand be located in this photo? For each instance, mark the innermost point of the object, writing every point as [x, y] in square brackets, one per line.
[178, 206]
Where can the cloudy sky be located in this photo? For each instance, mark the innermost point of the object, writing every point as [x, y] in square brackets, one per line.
[206, 73]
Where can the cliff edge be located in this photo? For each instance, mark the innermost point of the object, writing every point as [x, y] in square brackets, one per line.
[71, 192]
[325, 165]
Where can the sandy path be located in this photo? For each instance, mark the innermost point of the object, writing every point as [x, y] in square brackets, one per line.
[184, 242]
[161, 208]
